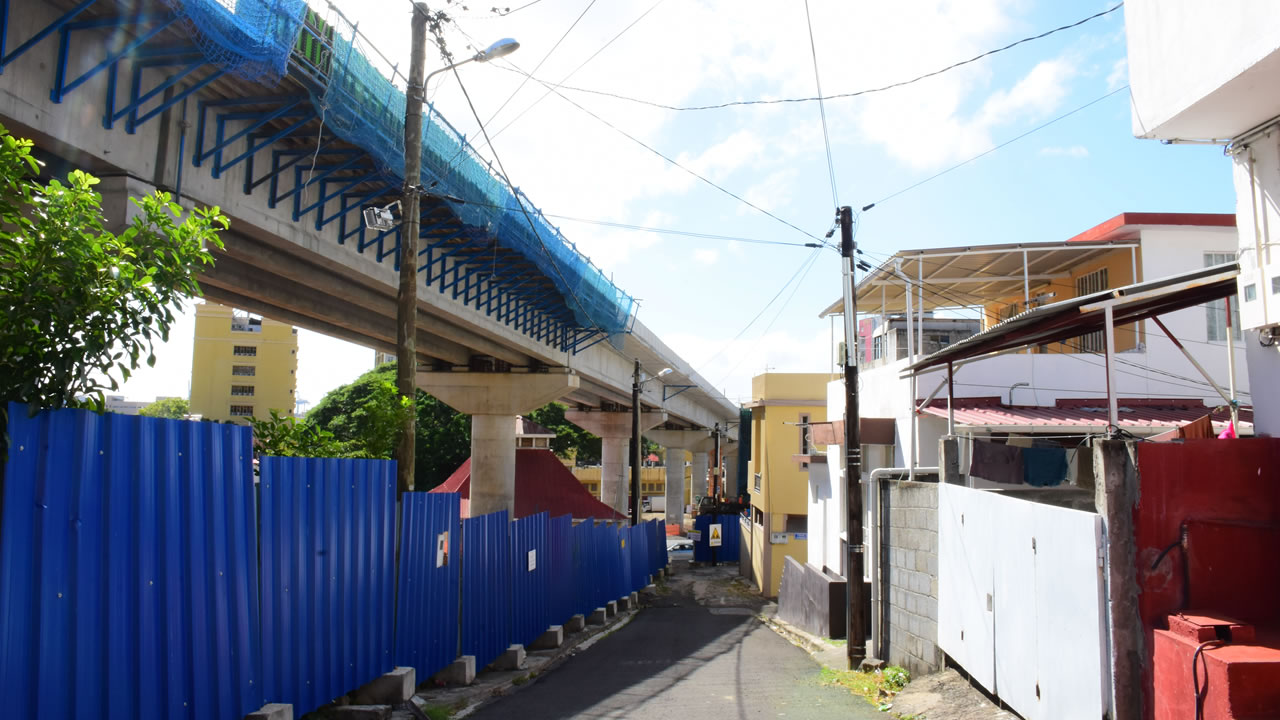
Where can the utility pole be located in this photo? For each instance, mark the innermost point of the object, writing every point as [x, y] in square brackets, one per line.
[859, 605]
[407, 296]
[716, 487]
[635, 445]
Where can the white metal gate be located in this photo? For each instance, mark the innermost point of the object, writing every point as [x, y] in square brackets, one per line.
[1021, 601]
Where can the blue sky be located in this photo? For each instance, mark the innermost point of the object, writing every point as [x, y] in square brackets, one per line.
[699, 294]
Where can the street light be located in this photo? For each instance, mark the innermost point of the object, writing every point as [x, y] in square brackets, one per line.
[636, 382]
[407, 294]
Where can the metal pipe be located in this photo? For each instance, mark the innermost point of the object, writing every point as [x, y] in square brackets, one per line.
[911, 456]
[1231, 368]
[1112, 413]
[951, 400]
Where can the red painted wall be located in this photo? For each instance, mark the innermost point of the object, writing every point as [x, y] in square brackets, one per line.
[1236, 482]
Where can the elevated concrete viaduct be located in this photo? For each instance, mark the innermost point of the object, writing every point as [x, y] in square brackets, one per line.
[97, 86]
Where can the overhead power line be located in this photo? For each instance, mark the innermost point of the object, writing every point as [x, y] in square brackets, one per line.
[984, 153]
[822, 109]
[857, 93]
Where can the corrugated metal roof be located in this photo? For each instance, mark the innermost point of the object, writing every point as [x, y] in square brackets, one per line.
[1085, 415]
[1070, 318]
[543, 484]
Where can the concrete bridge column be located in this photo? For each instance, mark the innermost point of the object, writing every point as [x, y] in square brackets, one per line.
[493, 400]
[677, 442]
[699, 468]
[614, 430]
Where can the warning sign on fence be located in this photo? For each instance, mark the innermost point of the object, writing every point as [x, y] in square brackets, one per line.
[716, 535]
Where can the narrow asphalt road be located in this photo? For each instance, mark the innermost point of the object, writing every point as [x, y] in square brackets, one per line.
[681, 659]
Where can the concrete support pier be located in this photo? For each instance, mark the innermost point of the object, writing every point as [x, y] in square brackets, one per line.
[614, 429]
[677, 442]
[493, 400]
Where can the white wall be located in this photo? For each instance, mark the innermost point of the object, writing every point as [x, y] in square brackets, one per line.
[1257, 180]
[1201, 69]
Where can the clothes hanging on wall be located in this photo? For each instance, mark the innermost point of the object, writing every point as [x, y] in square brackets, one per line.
[997, 463]
[1044, 464]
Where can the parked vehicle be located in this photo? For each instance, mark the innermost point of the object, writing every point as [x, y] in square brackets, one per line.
[679, 549]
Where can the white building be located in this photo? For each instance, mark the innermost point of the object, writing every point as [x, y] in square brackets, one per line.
[1208, 72]
[1055, 390]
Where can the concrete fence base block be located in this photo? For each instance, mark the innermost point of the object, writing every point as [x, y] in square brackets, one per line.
[611, 608]
[359, 712]
[272, 711]
[624, 603]
[512, 659]
[459, 672]
[870, 664]
[393, 688]
[577, 623]
[635, 600]
[598, 616]
[549, 640]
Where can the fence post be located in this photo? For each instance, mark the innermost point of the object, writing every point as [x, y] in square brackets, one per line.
[1115, 494]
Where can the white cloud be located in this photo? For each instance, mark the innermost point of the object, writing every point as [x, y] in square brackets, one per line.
[706, 256]
[1077, 151]
[1119, 74]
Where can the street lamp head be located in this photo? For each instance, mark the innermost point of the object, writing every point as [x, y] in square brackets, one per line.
[665, 371]
[501, 48]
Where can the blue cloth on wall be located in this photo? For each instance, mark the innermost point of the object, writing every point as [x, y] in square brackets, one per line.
[1044, 466]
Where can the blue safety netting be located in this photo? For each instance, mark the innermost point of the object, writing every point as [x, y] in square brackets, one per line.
[250, 38]
[361, 105]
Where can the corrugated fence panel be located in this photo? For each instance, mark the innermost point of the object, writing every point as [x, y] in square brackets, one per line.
[621, 557]
[486, 587]
[427, 593]
[605, 542]
[639, 556]
[729, 530]
[584, 568]
[530, 575]
[560, 567]
[328, 553]
[659, 547]
[128, 583]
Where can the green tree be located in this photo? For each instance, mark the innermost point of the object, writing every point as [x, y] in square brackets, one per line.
[83, 307]
[283, 436]
[571, 442]
[176, 408]
[367, 413]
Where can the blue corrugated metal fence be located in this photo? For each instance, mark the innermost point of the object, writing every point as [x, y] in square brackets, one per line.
[128, 569]
[328, 554]
[427, 593]
[728, 549]
[530, 573]
[486, 587]
[560, 566]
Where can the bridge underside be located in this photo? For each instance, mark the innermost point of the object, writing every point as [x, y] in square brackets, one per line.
[122, 89]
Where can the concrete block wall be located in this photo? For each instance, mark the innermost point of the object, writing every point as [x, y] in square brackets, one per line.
[912, 575]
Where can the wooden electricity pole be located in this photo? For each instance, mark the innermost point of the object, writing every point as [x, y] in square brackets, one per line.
[407, 296]
[858, 605]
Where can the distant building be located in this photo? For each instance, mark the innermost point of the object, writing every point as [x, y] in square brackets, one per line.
[118, 404]
[382, 358]
[885, 340]
[782, 407]
[242, 365]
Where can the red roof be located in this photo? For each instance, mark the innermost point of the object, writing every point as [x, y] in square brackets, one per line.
[1123, 224]
[543, 484]
[1085, 414]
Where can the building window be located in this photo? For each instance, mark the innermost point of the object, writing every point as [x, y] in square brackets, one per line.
[245, 351]
[758, 516]
[242, 411]
[804, 433]
[242, 390]
[797, 523]
[757, 482]
[1094, 282]
[244, 370]
[1216, 311]
[877, 347]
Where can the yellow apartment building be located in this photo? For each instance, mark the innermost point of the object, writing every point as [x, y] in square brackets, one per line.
[782, 405]
[653, 481]
[242, 365]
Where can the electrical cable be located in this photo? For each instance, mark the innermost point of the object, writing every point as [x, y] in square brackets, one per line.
[523, 210]
[571, 74]
[984, 153]
[891, 86]
[659, 153]
[1198, 661]
[743, 356]
[822, 108]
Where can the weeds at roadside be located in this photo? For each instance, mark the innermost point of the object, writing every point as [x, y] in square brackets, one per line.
[877, 687]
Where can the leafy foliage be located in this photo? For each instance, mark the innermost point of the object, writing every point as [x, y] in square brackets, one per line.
[368, 413]
[283, 436]
[176, 408]
[571, 442]
[83, 307]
